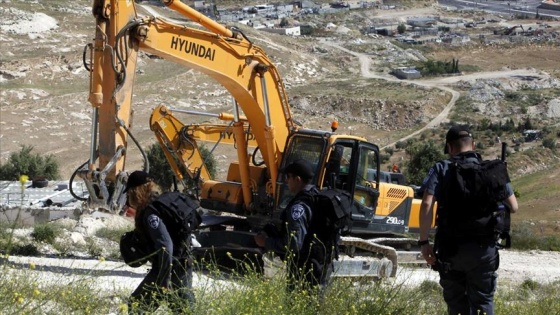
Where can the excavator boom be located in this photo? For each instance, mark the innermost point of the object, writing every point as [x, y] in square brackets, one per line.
[224, 54]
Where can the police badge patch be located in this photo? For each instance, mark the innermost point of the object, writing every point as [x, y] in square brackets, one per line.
[153, 221]
[432, 170]
[297, 211]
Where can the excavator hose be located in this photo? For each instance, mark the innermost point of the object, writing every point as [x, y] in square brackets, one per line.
[144, 155]
[90, 46]
[253, 158]
[237, 30]
[72, 180]
[185, 137]
[121, 75]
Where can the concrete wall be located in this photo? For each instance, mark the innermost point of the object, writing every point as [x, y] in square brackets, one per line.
[291, 31]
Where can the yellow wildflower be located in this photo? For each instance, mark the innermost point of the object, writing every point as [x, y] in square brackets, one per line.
[123, 309]
[18, 298]
[23, 179]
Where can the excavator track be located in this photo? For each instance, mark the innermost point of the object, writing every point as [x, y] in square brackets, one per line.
[360, 268]
[374, 258]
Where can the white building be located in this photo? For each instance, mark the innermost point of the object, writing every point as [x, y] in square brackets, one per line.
[290, 31]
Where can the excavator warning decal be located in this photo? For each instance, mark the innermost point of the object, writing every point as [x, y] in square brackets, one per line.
[193, 48]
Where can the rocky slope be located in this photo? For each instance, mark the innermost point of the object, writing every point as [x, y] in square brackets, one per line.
[43, 101]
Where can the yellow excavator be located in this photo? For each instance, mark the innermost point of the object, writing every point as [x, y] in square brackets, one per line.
[260, 127]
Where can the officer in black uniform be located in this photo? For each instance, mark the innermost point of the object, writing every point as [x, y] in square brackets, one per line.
[309, 262]
[171, 261]
[468, 269]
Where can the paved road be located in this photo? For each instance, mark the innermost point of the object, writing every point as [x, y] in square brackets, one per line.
[529, 7]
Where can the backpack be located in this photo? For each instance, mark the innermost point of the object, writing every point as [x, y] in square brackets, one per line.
[470, 202]
[331, 215]
[179, 214]
[134, 251]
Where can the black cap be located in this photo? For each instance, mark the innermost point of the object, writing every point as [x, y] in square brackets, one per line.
[455, 133]
[137, 178]
[301, 168]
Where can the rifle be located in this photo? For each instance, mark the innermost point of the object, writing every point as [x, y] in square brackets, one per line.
[504, 239]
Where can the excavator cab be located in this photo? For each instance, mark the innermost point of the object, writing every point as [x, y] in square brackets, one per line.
[347, 162]
[339, 162]
[304, 145]
[332, 175]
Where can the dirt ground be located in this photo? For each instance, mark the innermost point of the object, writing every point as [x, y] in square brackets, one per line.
[45, 86]
[44, 89]
[542, 57]
[515, 267]
[43, 101]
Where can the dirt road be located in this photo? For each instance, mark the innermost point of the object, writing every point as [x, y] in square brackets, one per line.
[515, 267]
[438, 83]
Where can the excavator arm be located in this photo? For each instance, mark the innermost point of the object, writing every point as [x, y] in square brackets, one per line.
[180, 144]
[221, 53]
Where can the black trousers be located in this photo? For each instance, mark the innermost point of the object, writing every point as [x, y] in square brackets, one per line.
[147, 296]
[469, 279]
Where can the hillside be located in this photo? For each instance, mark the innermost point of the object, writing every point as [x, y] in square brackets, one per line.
[337, 74]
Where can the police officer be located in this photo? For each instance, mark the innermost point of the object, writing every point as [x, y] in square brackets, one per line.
[171, 262]
[309, 261]
[468, 274]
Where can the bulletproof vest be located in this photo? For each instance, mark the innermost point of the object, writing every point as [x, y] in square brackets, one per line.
[469, 201]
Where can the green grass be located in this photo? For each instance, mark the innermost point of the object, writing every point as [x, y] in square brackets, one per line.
[531, 186]
[5, 235]
[526, 97]
[22, 291]
[395, 92]
[111, 233]
[527, 236]
[46, 233]
[536, 222]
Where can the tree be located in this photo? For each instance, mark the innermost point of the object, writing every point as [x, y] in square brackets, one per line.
[401, 28]
[306, 30]
[455, 66]
[509, 125]
[162, 173]
[484, 124]
[400, 145]
[209, 160]
[549, 143]
[422, 156]
[159, 167]
[528, 125]
[27, 163]
[390, 150]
